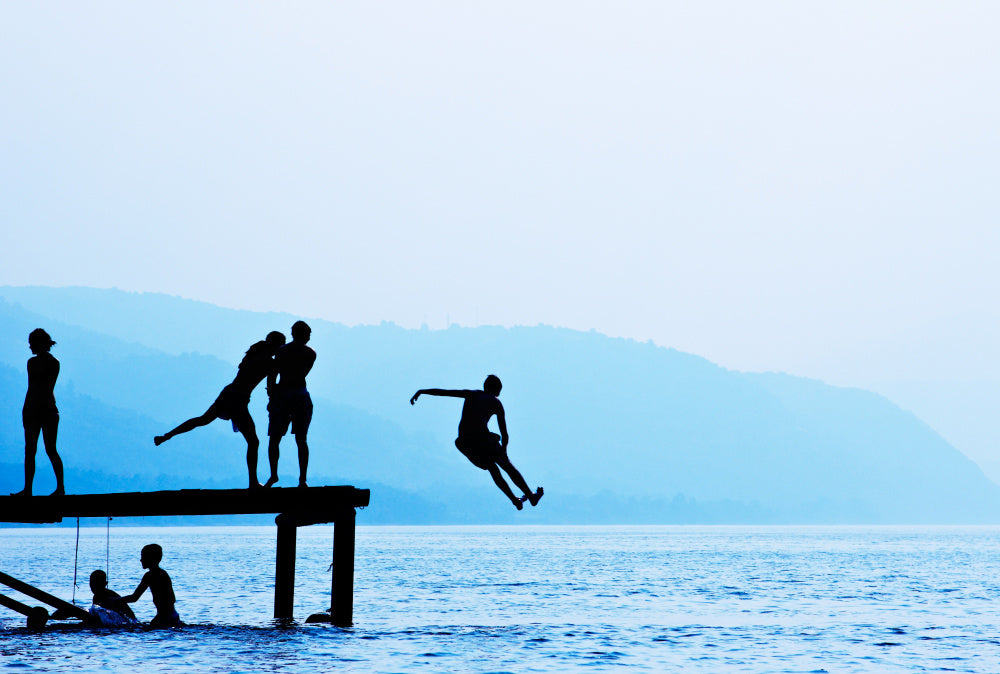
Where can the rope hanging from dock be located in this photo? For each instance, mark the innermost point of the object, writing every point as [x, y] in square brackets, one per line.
[76, 558]
[107, 551]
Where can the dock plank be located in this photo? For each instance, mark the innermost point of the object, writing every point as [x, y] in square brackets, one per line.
[315, 504]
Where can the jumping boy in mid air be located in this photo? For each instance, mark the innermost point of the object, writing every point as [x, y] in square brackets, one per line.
[158, 582]
[484, 449]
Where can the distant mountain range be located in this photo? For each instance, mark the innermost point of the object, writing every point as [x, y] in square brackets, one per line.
[616, 430]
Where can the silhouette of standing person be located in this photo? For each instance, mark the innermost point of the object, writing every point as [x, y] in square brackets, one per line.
[484, 449]
[158, 582]
[289, 400]
[232, 403]
[40, 414]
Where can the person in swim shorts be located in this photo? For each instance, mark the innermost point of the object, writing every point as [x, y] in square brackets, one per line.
[483, 448]
[232, 403]
[289, 403]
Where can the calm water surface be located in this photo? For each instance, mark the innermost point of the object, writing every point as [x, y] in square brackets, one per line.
[535, 599]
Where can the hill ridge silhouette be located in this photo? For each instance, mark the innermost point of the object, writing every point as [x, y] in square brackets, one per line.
[650, 432]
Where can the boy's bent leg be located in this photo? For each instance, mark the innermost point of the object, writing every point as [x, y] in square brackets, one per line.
[515, 475]
[504, 487]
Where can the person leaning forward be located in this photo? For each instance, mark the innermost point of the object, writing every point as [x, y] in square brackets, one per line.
[233, 402]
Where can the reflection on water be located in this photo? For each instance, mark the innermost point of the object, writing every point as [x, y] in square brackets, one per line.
[702, 599]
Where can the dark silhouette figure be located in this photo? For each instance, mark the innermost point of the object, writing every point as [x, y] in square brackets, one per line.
[107, 598]
[484, 449]
[232, 404]
[289, 402]
[158, 582]
[40, 414]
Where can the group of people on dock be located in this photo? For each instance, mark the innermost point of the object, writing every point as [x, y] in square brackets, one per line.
[284, 366]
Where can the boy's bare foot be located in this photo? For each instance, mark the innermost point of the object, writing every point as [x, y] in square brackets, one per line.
[255, 485]
[271, 481]
[302, 483]
[60, 491]
[23, 492]
[518, 503]
[534, 498]
[159, 440]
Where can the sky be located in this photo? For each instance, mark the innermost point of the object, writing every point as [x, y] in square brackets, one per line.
[792, 186]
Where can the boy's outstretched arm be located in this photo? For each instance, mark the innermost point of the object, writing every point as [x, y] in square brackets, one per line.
[451, 393]
[138, 591]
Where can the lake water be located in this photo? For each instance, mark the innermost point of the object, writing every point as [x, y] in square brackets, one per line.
[534, 599]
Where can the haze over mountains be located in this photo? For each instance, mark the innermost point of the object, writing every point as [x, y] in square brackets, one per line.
[616, 430]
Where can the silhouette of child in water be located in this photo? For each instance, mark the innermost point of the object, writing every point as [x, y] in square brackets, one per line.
[233, 403]
[484, 449]
[158, 582]
[40, 414]
[108, 598]
[289, 402]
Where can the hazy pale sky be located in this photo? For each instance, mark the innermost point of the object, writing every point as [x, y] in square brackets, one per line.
[800, 186]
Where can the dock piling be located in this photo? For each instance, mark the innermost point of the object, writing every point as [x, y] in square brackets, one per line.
[342, 582]
[284, 568]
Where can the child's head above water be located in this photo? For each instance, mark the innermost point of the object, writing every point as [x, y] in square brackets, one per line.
[98, 581]
[151, 555]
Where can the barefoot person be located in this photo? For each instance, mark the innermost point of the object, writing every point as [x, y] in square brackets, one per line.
[232, 404]
[40, 414]
[289, 400]
[158, 582]
[484, 449]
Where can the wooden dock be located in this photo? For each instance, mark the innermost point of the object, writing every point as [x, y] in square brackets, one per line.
[294, 507]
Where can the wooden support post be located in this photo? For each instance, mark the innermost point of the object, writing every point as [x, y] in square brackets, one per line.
[342, 588]
[284, 568]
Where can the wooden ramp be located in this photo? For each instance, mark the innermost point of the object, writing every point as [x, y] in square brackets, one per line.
[294, 507]
[38, 616]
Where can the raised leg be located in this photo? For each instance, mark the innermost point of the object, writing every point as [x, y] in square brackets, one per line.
[189, 425]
